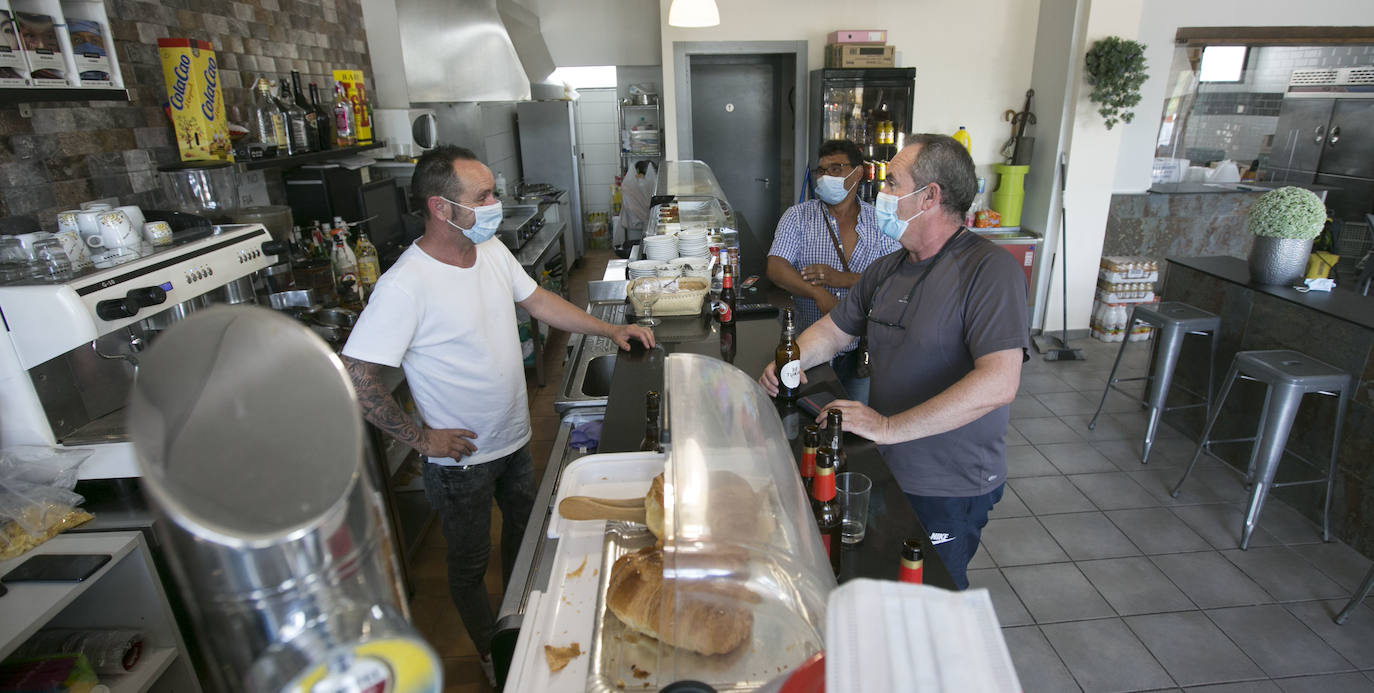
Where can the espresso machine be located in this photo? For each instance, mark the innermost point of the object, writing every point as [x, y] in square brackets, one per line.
[71, 349]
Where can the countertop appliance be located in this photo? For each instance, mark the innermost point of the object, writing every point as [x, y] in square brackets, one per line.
[548, 154]
[520, 223]
[843, 99]
[70, 350]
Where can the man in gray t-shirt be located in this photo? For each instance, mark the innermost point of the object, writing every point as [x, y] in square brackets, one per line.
[946, 324]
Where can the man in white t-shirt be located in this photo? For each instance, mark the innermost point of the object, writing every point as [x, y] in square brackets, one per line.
[445, 313]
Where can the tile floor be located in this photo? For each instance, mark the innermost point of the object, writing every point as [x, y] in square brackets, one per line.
[1101, 580]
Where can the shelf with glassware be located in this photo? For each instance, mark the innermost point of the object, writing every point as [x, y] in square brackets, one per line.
[641, 132]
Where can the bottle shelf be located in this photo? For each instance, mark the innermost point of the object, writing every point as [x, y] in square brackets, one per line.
[308, 157]
[32, 94]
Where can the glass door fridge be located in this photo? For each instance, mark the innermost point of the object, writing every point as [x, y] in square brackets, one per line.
[870, 106]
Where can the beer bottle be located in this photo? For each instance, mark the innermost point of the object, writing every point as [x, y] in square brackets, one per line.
[913, 562]
[826, 508]
[811, 438]
[725, 307]
[651, 409]
[727, 342]
[787, 359]
[834, 440]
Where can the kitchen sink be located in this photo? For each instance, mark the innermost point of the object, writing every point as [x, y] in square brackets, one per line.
[596, 381]
[591, 359]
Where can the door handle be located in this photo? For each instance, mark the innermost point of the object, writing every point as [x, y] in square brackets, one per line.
[765, 181]
[1319, 132]
[1335, 136]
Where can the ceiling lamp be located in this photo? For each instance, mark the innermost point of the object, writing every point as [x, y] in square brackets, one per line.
[693, 13]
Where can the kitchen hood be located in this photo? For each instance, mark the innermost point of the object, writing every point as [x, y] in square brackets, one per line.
[470, 50]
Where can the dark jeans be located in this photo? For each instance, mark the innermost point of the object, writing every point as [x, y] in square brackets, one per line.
[846, 366]
[955, 526]
[462, 497]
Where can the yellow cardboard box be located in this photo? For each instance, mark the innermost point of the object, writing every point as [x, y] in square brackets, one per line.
[195, 100]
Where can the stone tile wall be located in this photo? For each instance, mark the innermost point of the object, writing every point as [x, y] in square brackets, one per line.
[67, 153]
[1158, 225]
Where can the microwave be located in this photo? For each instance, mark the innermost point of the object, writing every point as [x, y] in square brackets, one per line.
[408, 132]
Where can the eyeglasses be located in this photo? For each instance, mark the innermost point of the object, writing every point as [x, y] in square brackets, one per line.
[832, 170]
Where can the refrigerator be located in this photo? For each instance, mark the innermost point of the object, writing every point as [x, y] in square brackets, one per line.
[848, 103]
[548, 154]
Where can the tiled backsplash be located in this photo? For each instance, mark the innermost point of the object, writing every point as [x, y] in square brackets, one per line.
[67, 153]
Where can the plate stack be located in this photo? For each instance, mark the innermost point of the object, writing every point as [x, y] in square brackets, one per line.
[692, 243]
[661, 248]
[642, 268]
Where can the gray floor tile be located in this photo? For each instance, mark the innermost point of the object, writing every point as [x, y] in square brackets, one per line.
[1037, 665]
[1087, 380]
[1220, 525]
[1041, 382]
[1284, 574]
[1076, 458]
[1088, 536]
[1277, 641]
[1161, 482]
[1025, 460]
[1014, 437]
[981, 559]
[1104, 655]
[1044, 431]
[1330, 683]
[1135, 586]
[1009, 506]
[1106, 429]
[1338, 561]
[1288, 525]
[1210, 580]
[1026, 406]
[1067, 403]
[1354, 640]
[1010, 611]
[1192, 649]
[1125, 453]
[1057, 592]
[1157, 530]
[1225, 483]
[1020, 541]
[1045, 495]
[1135, 421]
[1114, 491]
[1265, 686]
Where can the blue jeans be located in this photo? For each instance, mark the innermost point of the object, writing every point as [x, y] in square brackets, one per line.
[955, 525]
[462, 498]
[846, 366]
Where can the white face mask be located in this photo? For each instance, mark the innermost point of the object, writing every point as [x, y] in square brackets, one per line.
[831, 189]
[484, 227]
[886, 212]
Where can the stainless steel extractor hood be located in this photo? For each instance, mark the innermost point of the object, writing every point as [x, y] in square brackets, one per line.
[471, 50]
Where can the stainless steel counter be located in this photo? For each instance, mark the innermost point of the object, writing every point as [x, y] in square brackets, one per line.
[591, 359]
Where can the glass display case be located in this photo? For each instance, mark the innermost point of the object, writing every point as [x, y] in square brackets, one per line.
[689, 197]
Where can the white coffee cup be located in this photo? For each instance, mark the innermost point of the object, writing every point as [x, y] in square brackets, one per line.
[157, 232]
[115, 232]
[97, 206]
[135, 215]
[67, 221]
[75, 248]
[87, 222]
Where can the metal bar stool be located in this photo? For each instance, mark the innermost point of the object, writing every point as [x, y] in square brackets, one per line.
[1288, 376]
[1360, 594]
[1172, 321]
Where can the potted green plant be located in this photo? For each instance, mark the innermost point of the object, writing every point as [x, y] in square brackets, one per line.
[1284, 222]
[1116, 69]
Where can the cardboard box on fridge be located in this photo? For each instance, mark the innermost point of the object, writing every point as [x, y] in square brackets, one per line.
[14, 70]
[868, 36]
[859, 55]
[195, 100]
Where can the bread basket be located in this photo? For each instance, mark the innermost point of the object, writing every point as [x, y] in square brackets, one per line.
[686, 300]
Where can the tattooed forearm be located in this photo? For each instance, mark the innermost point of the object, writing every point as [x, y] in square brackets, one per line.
[378, 406]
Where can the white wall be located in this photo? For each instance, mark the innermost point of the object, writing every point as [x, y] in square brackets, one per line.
[971, 63]
[1162, 19]
[600, 32]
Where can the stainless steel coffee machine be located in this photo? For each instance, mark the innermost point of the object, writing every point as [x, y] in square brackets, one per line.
[71, 349]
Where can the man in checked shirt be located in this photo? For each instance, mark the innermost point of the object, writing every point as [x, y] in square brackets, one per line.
[803, 259]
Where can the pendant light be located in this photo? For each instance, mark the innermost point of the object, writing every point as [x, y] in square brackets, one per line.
[693, 13]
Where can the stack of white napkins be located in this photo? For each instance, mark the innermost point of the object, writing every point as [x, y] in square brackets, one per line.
[893, 636]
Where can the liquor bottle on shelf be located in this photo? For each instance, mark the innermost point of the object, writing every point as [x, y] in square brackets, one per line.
[362, 115]
[651, 442]
[344, 261]
[834, 439]
[266, 124]
[295, 119]
[913, 562]
[323, 116]
[787, 359]
[811, 438]
[825, 508]
[343, 118]
[285, 144]
[725, 306]
[312, 118]
[369, 264]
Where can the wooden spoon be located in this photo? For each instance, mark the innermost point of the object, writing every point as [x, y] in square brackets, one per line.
[589, 508]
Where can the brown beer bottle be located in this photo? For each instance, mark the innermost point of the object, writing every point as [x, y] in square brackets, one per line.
[811, 438]
[787, 359]
[727, 342]
[650, 443]
[826, 508]
[834, 439]
[725, 307]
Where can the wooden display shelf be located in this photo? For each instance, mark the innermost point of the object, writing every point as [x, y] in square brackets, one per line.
[308, 157]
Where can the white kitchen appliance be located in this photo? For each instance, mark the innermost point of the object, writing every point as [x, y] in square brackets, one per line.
[70, 350]
[407, 131]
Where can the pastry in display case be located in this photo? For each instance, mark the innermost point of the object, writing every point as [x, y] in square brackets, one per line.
[697, 199]
[725, 579]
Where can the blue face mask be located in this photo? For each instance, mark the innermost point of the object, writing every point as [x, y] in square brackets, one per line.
[886, 211]
[488, 219]
[831, 189]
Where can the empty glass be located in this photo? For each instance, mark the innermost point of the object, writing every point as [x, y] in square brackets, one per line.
[852, 490]
[51, 260]
[646, 292]
[14, 260]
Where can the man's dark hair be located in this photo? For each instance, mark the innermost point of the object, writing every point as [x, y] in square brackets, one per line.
[845, 147]
[945, 162]
[434, 174]
[642, 167]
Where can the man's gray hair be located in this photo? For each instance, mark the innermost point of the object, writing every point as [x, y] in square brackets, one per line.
[434, 175]
[945, 162]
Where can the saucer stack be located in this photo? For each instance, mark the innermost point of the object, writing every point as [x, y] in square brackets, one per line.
[661, 248]
[642, 268]
[692, 243]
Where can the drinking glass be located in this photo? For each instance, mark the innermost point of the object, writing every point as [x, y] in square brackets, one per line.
[52, 260]
[646, 293]
[852, 490]
[14, 260]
